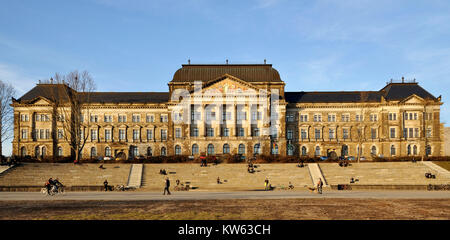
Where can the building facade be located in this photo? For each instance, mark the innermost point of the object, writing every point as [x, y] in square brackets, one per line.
[234, 109]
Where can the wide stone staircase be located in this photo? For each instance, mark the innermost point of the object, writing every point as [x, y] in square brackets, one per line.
[36, 174]
[382, 173]
[232, 176]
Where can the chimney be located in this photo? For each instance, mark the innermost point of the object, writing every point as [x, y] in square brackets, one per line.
[227, 61]
[264, 61]
[403, 79]
[189, 61]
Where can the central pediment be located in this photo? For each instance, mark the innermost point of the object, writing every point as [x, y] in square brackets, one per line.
[228, 84]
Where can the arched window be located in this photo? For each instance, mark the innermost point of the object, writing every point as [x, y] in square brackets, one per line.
[415, 150]
[275, 148]
[59, 152]
[37, 152]
[392, 150]
[290, 150]
[241, 149]
[317, 153]
[163, 151]
[226, 148]
[256, 149]
[428, 150]
[93, 152]
[177, 150]
[108, 152]
[149, 152]
[304, 151]
[210, 149]
[344, 150]
[409, 149]
[194, 149]
[23, 151]
[374, 150]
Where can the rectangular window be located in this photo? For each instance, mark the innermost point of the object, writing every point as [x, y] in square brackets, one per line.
[359, 118]
[290, 118]
[345, 133]
[24, 117]
[150, 118]
[122, 118]
[316, 133]
[136, 118]
[256, 132]
[149, 134]
[94, 118]
[210, 132]
[195, 132]
[163, 134]
[345, 117]
[241, 132]
[303, 118]
[196, 116]
[416, 132]
[163, 118]
[373, 117]
[177, 132]
[290, 134]
[415, 116]
[429, 132]
[177, 116]
[24, 133]
[241, 116]
[373, 133]
[108, 118]
[317, 118]
[331, 133]
[135, 134]
[107, 134]
[411, 132]
[392, 116]
[122, 134]
[226, 116]
[392, 133]
[303, 134]
[331, 118]
[226, 132]
[93, 134]
[60, 134]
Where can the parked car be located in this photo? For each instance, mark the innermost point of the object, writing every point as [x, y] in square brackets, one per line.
[362, 158]
[323, 158]
[351, 158]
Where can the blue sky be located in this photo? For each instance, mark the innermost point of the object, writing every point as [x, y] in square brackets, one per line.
[137, 45]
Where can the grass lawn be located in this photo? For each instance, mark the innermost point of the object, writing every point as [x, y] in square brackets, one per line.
[445, 165]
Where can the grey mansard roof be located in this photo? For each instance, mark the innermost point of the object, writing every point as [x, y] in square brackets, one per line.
[52, 91]
[245, 72]
[391, 92]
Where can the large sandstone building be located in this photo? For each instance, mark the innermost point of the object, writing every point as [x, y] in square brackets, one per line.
[236, 109]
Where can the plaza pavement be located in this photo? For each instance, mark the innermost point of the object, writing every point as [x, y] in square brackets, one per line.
[140, 196]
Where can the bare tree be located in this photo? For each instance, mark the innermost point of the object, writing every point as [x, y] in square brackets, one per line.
[71, 103]
[363, 122]
[7, 92]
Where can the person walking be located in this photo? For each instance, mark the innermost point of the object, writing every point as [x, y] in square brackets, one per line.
[319, 186]
[266, 184]
[167, 187]
[105, 183]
